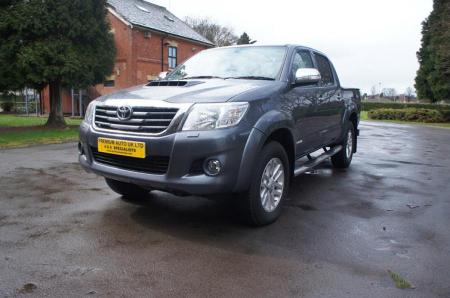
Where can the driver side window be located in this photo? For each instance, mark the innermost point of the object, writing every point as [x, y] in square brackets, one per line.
[302, 59]
[325, 70]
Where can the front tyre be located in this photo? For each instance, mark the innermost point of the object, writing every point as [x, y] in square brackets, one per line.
[343, 159]
[269, 186]
[127, 190]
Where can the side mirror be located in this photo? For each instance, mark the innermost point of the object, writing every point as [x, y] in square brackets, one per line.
[163, 75]
[307, 76]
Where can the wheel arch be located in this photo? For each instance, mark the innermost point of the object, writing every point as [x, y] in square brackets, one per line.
[286, 139]
[351, 115]
[353, 118]
[273, 126]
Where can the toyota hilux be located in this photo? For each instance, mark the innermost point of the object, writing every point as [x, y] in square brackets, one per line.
[241, 121]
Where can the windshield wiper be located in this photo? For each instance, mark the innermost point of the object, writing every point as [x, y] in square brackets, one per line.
[202, 77]
[252, 78]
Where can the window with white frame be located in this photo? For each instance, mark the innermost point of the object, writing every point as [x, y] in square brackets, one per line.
[172, 57]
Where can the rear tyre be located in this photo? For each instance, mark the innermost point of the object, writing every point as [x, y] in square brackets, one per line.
[127, 190]
[269, 186]
[343, 159]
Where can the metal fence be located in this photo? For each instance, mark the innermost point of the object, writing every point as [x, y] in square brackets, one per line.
[23, 107]
[26, 101]
[29, 102]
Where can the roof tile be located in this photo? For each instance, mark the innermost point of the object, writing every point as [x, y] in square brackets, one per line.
[152, 16]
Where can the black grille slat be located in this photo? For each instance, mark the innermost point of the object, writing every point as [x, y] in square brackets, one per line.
[152, 165]
[143, 119]
[146, 165]
[154, 113]
[140, 128]
[106, 112]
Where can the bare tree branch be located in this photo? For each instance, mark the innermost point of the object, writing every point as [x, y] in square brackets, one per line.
[217, 34]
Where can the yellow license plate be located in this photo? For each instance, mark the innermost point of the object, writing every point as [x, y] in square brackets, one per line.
[121, 147]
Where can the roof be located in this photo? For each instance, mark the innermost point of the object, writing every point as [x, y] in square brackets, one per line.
[151, 16]
[291, 46]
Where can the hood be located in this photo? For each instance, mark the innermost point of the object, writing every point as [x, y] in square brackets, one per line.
[190, 91]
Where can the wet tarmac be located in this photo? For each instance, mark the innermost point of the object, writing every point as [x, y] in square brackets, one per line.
[63, 233]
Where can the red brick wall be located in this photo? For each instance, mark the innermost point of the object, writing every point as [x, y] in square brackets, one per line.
[138, 58]
[123, 69]
[66, 99]
[139, 55]
[148, 53]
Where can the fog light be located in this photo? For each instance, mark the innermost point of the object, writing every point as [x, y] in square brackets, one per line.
[213, 167]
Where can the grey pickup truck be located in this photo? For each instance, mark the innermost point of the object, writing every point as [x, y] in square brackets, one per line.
[240, 121]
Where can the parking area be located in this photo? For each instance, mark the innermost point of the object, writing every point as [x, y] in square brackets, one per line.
[64, 233]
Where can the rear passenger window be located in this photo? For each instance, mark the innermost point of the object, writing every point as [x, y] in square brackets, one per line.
[302, 59]
[325, 70]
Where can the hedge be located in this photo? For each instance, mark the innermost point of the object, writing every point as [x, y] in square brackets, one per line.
[7, 97]
[411, 114]
[369, 106]
[7, 106]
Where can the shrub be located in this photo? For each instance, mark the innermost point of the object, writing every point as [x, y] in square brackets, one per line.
[410, 114]
[446, 115]
[7, 106]
[369, 106]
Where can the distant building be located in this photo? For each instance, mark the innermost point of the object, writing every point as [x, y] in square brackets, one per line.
[404, 98]
[149, 39]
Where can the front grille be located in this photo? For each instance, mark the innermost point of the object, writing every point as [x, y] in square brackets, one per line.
[142, 120]
[151, 165]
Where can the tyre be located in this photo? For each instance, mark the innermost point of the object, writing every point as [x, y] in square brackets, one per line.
[127, 190]
[343, 159]
[269, 186]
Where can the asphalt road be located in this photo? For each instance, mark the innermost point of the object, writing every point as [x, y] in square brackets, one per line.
[63, 233]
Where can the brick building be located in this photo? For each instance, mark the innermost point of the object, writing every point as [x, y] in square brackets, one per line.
[149, 39]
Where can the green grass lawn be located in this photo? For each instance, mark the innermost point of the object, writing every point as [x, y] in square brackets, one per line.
[14, 138]
[15, 121]
[365, 116]
[20, 131]
[24, 138]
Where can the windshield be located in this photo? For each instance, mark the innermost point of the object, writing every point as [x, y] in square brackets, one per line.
[234, 62]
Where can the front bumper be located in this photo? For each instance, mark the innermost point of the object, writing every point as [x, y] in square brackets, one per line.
[183, 148]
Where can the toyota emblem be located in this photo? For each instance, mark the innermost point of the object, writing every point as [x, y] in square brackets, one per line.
[124, 113]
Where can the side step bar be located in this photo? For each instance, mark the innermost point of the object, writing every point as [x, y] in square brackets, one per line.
[300, 169]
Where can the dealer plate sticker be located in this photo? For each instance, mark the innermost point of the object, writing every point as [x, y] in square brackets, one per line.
[121, 147]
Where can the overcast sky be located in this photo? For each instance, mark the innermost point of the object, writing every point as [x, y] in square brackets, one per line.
[369, 42]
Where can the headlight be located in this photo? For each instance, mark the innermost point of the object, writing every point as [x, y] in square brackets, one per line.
[89, 115]
[207, 116]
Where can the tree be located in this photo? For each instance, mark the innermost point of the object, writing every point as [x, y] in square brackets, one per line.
[245, 39]
[10, 79]
[59, 43]
[433, 76]
[422, 84]
[389, 93]
[219, 35]
[373, 90]
[409, 92]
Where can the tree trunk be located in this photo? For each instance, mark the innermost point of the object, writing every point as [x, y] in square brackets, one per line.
[56, 117]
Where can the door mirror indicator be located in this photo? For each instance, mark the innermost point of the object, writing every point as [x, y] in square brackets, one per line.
[307, 76]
